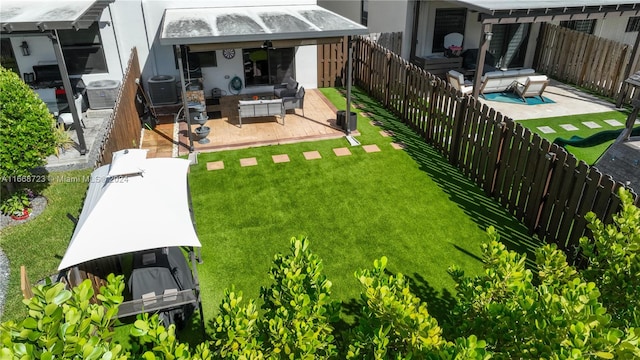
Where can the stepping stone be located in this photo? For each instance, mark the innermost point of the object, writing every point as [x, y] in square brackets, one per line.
[312, 155]
[215, 165]
[591, 125]
[569, 127]
[342, 151]
[371, 148]
[248, 162]
[365, 114]
[613, 122]
[546, 129]
[386, 133]
[398, 146]
[376, 123]
[280, 158]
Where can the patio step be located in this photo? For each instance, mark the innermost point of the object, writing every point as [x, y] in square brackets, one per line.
[98, 113]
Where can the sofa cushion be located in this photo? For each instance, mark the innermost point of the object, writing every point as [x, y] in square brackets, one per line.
[292, 84]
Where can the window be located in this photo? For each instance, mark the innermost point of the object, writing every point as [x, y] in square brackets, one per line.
[633, 24]
[585, 26]
[447, 21]
[267, 66]
[364, 12]
[7, 58]
[82, 50]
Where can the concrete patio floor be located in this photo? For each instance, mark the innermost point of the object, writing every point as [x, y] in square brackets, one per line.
[567, 101]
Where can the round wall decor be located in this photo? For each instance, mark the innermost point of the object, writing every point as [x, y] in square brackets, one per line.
[229, 53]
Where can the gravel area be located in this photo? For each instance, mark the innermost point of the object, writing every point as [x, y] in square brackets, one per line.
[37, 206]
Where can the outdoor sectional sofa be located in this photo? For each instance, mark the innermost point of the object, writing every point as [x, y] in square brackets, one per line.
[499, 81]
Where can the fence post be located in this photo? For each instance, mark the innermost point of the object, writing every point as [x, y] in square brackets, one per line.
[387, 80]
[458, 118]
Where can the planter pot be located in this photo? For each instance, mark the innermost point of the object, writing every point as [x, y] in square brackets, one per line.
[202, 132]
[21, 216]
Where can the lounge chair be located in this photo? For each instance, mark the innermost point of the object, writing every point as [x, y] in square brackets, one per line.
[534, 86]
[456, 80]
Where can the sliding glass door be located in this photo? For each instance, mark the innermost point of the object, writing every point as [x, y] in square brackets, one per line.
[509, 44]
[268, 66]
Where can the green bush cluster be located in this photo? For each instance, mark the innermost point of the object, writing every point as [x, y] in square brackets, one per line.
[509, 312]
[26, 128]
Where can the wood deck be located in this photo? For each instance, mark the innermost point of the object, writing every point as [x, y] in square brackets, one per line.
[319, 122]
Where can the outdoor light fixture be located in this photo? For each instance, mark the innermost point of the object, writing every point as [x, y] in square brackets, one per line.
[267, 45]
[25, 49]
[488, 36]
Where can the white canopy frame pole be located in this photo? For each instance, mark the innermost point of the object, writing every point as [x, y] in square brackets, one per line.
[185, 102]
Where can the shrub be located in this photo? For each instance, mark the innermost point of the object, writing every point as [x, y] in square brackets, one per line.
[613, 257]
[26, 129]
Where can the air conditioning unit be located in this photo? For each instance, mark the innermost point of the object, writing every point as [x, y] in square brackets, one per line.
[162, 90]
[102, 94]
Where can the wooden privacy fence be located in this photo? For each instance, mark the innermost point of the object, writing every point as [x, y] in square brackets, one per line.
[586, 60]
[123, 128]
[541, 184]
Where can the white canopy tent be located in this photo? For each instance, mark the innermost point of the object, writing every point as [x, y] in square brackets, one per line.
[133, 204]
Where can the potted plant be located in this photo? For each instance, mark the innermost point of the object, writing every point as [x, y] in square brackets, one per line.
[62, 139]
[16, 205]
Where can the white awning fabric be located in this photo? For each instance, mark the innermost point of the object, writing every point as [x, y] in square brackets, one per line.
[146, 207]
[41, 15]
[253, 23]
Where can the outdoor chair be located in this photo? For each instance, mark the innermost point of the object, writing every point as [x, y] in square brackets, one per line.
[286, 89]
[296, 101]
[67, 118]
[456, 80]
[534, 86]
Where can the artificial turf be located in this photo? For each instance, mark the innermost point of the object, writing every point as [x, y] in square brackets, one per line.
[589, 154]
[409, 205]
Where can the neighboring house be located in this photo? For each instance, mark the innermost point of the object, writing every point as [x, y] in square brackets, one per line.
[379, 16]
[516, 24]
[259, 41]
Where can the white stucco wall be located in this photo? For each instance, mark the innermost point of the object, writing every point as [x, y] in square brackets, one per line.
[351, 9]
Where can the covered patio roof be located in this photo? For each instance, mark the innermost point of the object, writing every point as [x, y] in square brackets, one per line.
[500, 11]
[42, 15]
[253, 24]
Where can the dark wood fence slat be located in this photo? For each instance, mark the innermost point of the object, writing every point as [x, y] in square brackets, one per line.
[538, 182]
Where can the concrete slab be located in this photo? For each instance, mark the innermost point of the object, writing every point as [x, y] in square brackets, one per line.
[248, 162]
[215, 165]
[371, 148]
[546, 129]
[312, 155]
[342, 151]
[569, 127]
[592, 125]
[282, 158]
[614, 122]
[567, 101]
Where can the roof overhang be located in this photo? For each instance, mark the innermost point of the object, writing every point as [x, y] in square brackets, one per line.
[147, 208]
[502, 12]
[43, 15]
[308, 24]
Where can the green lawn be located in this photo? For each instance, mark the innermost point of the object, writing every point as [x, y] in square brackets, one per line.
[587, 154]
[410, 205]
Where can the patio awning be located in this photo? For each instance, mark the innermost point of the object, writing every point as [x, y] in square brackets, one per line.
[42, 15]
[224, 25]
[500, 11]
[145, 208]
